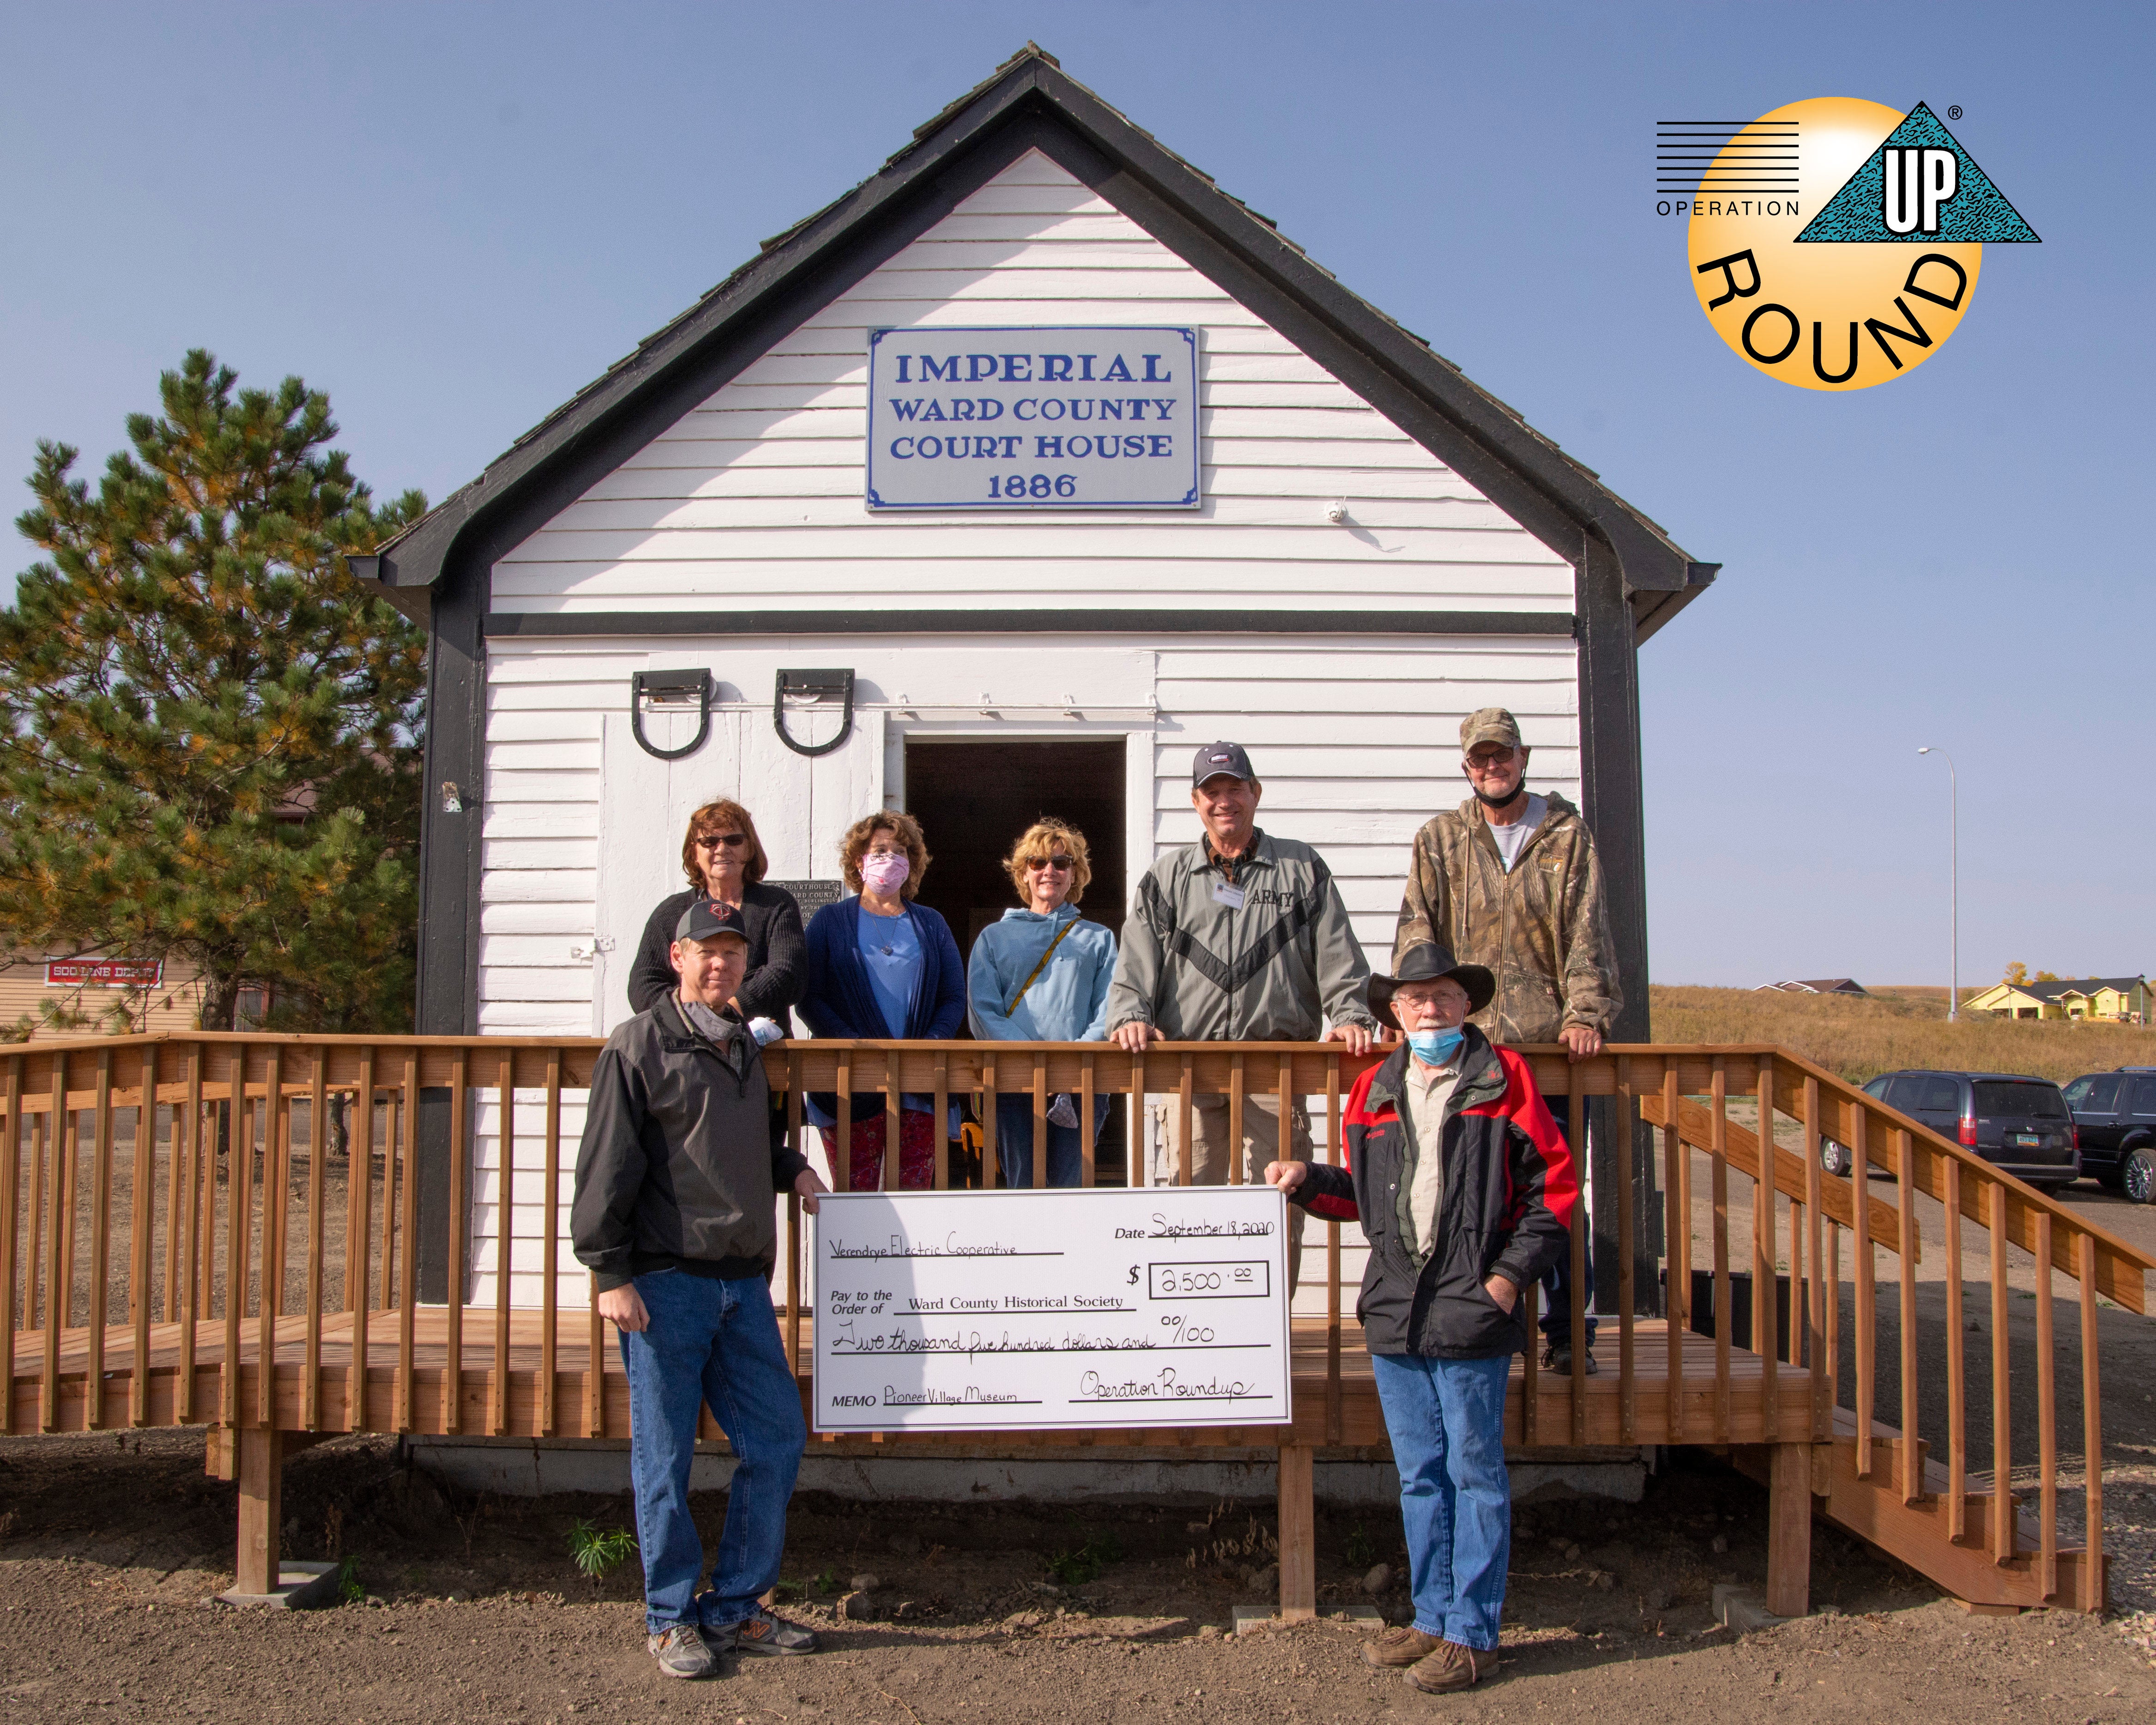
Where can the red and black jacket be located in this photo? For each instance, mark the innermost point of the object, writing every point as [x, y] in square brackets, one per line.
[1509, 1188]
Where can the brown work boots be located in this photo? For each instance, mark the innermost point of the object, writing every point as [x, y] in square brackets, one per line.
[1434, 1665]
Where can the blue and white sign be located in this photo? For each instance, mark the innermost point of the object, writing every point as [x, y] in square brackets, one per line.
[1057, 416]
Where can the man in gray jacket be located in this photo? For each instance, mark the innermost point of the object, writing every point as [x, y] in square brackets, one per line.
[677, 1176]
[1240, 937]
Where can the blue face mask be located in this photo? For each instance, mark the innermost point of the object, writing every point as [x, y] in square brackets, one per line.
[1435, 1048]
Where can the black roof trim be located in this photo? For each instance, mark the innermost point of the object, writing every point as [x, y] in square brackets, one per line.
[500, 625]
[1490, 443]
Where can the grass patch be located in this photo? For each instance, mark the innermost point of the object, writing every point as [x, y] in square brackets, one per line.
[1075, 1569]
[1857, 1039]
[598, 1551]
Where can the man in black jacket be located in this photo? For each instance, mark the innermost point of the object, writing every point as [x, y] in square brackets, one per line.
[677, 1176]
[1465, 1187]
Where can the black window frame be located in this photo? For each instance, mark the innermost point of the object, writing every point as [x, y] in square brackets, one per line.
[2116, 1081]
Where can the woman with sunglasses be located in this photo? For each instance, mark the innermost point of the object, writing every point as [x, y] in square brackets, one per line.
[724, 862]
[1042, 975]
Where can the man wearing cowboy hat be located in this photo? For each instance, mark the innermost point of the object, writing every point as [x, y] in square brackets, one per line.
[1464, 1187]
[1510, 879]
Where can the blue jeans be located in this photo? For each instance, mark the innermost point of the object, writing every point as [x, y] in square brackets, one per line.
[1446, 1418]
[1067, 1162]
[1556, 1321]
[715, 1341]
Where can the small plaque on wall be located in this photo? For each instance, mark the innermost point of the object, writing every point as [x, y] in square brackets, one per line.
[812, 895]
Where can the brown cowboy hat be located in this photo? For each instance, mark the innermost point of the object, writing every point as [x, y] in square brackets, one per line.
[1427, 964]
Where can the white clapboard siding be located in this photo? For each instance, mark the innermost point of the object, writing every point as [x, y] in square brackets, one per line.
[753, 499]
[1357, 747]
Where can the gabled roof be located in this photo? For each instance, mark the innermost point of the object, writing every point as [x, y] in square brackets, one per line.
[2060, 988]
[1818, 985]
[1030, 102]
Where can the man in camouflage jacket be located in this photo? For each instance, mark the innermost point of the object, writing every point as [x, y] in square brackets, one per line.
[1510, 881]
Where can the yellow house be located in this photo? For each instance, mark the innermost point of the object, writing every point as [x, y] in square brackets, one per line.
[2118, 1000]
[155, 996]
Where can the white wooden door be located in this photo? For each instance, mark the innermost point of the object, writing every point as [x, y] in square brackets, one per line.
[802, 806]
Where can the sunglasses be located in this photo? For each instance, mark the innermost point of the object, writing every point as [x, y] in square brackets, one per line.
[732, 841]
[1057, 861]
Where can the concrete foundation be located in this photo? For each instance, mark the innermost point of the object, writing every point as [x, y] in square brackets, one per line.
[519, 1468]
[299, 1586]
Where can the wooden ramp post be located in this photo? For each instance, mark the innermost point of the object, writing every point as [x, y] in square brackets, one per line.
[1789, 1530]
[1298, 1534]
[261, 1508]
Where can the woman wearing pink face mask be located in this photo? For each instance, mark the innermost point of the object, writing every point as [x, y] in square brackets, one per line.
[880, 965]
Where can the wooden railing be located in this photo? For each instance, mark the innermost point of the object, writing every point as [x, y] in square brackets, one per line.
[217, 1271]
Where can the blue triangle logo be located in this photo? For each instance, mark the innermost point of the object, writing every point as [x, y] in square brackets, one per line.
[1921, 187]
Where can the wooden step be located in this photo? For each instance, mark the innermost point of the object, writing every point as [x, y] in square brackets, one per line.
[1921, 1534]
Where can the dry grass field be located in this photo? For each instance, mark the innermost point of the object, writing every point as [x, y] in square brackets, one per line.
[1857, 1039]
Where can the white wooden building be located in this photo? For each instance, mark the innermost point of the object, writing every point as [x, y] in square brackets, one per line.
[1377, 548]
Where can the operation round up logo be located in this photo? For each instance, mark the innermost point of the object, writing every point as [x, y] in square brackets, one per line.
[1834, 244]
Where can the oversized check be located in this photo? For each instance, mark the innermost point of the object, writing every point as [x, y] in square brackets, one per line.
[1156, 1306]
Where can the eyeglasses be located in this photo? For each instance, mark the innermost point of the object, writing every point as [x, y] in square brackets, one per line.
[732, 841]
[1057, 861]
[1489, 763]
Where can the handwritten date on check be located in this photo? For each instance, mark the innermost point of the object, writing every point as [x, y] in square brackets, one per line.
[981, 1311]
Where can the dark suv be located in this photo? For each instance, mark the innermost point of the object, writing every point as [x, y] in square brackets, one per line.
[2013, 1121]
[2115, 1112]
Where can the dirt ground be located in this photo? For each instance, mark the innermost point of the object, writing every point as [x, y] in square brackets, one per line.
[110, 1548]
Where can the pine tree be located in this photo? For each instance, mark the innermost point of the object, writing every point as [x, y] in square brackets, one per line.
[209, 732]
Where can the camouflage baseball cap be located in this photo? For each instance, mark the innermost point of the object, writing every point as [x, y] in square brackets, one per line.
[1491, 724]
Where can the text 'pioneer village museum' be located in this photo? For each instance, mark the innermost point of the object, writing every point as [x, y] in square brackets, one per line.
[992, 489]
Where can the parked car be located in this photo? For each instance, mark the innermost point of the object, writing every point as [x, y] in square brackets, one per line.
[2013, 1122]
[2115, 1114]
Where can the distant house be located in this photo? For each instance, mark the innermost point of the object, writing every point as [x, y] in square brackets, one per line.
[157, 996]
[2115, 999]
[1818, 985]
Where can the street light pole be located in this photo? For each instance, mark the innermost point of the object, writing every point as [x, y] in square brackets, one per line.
[1954, 884]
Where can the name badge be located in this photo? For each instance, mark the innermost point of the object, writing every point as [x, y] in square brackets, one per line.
[1224, 894]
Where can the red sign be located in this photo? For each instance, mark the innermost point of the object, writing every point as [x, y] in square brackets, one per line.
[104, 972]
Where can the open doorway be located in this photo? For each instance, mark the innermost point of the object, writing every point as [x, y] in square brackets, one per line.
[973, 798]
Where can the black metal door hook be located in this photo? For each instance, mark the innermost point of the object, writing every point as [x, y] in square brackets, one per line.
[670, 689]
[813, 686]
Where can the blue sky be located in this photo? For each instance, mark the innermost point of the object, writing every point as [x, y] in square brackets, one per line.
[451, 216]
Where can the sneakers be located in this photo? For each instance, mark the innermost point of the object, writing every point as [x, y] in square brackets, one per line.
[1558, 1357]
[1404, 1645]
[682, 1652]
[1449, 1667]
[765, 1632]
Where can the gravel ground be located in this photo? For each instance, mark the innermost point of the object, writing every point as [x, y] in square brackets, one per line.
[110, 1549]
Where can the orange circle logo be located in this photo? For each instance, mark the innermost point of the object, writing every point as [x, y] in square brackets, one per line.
[1854, 277]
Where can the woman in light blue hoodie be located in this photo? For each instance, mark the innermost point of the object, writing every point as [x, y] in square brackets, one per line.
[1042, 975]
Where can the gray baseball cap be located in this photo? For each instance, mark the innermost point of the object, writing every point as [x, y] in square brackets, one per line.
[1490, 724]
[1217, 758]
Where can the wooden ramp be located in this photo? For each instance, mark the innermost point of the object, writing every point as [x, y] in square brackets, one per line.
[1963, 1549]
[312, 1387]
[164, 1180]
